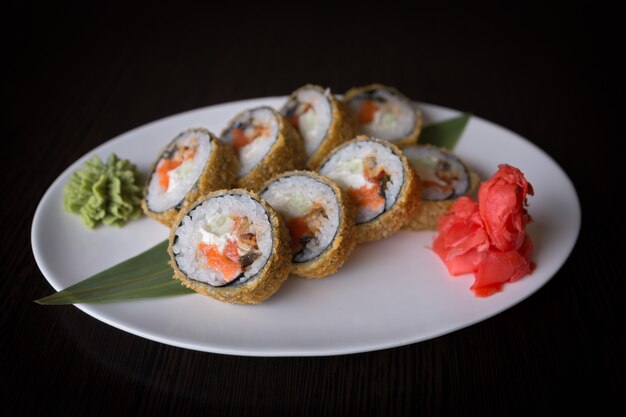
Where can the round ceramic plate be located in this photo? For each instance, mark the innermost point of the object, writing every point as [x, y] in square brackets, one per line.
[390, 293]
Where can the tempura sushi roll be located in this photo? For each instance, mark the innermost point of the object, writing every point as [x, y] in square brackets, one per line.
[231, 246]
[323, 121]
[320, 218]
[380, 182]
[194, 163]
[266, 144]
[385, 113]
[444, 179]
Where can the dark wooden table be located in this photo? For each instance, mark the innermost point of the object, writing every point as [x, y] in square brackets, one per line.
[76, 77]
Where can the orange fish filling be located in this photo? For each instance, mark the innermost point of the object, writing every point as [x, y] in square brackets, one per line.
[183, 154]
[303, 228]
[164, 169]
[219, 261]
[298, 228]
[370, 196]
[367, 196]
[240, 139]
[231, 250]
[229, 262]
[368, 111]
[295, 118]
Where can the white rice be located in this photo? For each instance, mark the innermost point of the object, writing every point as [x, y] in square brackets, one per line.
[294, 196]
[343, 168]
[393, 121]
[189, 236]
[251, 154]
[313, 125]
[184, 177]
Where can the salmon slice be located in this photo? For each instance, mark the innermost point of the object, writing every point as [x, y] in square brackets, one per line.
[231, 251]
[302, 229]
[166, 165]
[368, 111]
[367, 196]
[370, 196]
[163, 170]
[299, 230]
[220, 261]
[295, 118]
[240, 139]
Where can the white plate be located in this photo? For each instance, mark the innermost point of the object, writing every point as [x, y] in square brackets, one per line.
[390, 293]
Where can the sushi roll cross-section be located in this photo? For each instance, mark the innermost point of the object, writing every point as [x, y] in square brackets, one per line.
[266, 144]
[444, 179]
[385, 113]
[191, 165]
[323, 121]
[380, 182]
[231, 246]
[320, 218]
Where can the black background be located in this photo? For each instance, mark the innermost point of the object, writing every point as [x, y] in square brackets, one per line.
[75, 76]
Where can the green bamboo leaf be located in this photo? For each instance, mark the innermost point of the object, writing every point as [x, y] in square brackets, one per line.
[146, 275]
[444, 134]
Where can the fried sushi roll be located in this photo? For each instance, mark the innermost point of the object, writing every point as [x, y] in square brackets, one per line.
[193, 164]
[379, 180]
[444, 179]
[320, 218]
[323, 121]
[266, 144]
[231, 246]
[385, 113]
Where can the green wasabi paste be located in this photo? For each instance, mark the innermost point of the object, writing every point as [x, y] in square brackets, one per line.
[107, 193]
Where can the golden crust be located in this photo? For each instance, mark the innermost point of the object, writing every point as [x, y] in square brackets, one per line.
[406, 204]
[427, 215]
[267, 281]
[342, 127]
[329, 261]
[411, 138]
[219, 172]
[166, 218]
[428, 212]
[287, 153]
